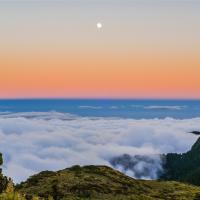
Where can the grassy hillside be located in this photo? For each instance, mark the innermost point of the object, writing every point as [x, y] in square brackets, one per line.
[184, 167]
[101, 182]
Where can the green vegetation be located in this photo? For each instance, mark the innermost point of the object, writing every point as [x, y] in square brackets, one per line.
[7, 189]
[184, 167]
[1, 159]
[101, 182]
[3, 179]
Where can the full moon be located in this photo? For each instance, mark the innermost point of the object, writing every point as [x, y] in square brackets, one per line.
[99, 25]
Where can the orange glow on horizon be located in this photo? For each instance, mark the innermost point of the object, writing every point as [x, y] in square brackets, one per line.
[138, 76]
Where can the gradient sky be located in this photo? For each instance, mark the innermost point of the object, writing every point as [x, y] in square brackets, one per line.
[146, 48]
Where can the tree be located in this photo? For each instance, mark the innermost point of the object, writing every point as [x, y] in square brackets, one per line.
[1, 159]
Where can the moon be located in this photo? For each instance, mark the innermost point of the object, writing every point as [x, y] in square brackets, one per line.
[99, 25]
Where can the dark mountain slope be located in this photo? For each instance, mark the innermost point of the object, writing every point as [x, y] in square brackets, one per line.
[184, 167]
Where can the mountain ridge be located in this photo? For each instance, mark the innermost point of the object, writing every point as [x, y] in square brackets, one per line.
[102, 182]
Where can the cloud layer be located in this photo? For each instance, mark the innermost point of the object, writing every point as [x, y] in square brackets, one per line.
[165, 107]
[31, 142]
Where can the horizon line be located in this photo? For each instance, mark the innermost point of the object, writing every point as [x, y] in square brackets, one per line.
[95, 98]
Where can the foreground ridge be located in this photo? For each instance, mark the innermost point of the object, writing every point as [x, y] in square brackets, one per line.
[101, 182]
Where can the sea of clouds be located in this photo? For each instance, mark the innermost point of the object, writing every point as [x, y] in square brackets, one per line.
[31, 142]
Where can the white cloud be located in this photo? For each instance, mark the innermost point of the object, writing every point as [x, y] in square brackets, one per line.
[165, 107]
[90, 107]
[31, 142]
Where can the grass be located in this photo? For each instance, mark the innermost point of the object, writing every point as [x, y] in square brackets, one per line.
[101, 182]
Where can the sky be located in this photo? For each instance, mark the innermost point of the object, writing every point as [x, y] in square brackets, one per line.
[145, 49]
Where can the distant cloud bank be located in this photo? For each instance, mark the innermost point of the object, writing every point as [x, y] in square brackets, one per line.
[90, 107]
[166, 107]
